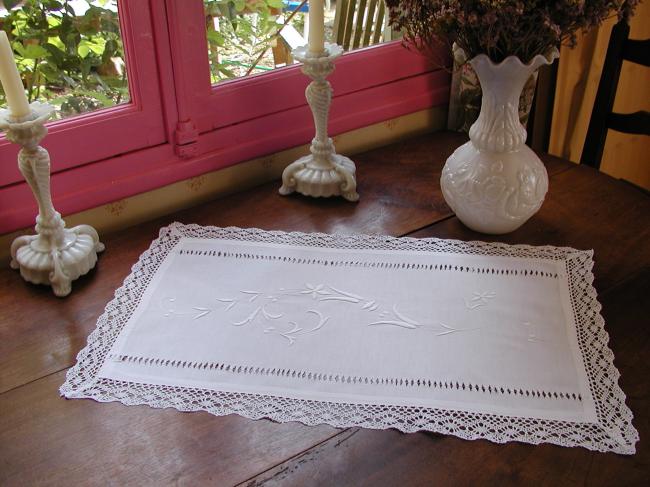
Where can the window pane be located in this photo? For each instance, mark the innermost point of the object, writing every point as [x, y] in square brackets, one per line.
[69, 53]
[242, 36]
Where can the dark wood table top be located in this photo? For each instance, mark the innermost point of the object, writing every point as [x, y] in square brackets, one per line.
[45, 439]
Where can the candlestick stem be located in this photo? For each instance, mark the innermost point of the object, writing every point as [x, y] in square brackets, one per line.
[323, 172]
[55, 255]
[319, 97]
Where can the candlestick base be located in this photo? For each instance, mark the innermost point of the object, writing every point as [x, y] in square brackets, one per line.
[55, 256]
[309, 178]
[323, 173]
[41, 260]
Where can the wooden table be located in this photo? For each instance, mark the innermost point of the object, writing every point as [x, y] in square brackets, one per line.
[45, 439]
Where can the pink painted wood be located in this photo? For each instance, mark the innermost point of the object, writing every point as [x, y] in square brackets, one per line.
[209, 107]
[236, 121]
[100, 135]
[243, 99]
[145, 170]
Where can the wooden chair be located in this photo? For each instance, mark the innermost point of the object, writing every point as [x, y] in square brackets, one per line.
[602, 117]
[360, 23]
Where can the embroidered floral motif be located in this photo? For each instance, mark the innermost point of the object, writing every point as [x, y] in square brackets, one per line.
[400, 320]
[531, 335]
[479, 299]
[321, 293]
[296, 330]
[449, 330]
[291, 330]
[167, 305]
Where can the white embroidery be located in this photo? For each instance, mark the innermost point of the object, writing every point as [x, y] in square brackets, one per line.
[169, 311]
[296, 330]
[250, 318]
[449, 330]
[401, 320]
[320, 293]
[531, 336]
[479, 299]
[323, 293]
[293, 330]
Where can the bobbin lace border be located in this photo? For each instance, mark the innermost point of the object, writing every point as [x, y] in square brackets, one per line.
[612, 432]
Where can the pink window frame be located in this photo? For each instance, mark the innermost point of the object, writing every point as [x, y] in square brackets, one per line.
[212, 127]
[106, 133]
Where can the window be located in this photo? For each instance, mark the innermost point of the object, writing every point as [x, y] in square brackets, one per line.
[70, 53]
[179, 118]
[248, 116]
[256, 36]
[68, 49]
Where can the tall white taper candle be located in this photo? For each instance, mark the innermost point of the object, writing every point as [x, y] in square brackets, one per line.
[316, 27]
[10, 78]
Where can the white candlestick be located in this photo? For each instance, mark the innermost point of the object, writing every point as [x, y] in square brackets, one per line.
[322, 173]
[56, 255]
[10, 79]
[316, 27]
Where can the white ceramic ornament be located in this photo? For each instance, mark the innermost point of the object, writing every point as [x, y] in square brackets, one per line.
[323, 172]
[495, 183]
[55, 256]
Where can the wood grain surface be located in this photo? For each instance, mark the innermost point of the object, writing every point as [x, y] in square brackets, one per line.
[47, 440]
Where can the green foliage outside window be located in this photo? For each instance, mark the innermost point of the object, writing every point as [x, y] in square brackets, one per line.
[75, 62]
[239, 31]
[73, 57]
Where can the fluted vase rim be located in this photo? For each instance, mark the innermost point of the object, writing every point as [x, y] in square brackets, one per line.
[534, 63]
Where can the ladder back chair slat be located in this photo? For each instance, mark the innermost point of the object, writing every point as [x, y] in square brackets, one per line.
[348, 24]
[637, 123]
[603, 117]
[359, 24]
[379, 23]
[370, 22]
[339, 16]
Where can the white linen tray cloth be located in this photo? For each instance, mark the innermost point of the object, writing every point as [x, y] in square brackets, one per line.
[474, 339]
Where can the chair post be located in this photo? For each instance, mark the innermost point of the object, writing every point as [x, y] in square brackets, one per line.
[359, 24]
[592, 151]
[370, 22]
[540, 119]
[349, 23]
[379, 24]
[339, 20]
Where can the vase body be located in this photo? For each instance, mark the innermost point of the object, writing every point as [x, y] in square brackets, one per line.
[494, 182]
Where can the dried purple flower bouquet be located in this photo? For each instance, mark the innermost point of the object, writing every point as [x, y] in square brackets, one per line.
[501, 28]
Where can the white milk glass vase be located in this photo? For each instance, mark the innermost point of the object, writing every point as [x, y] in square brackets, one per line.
[494, 182]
